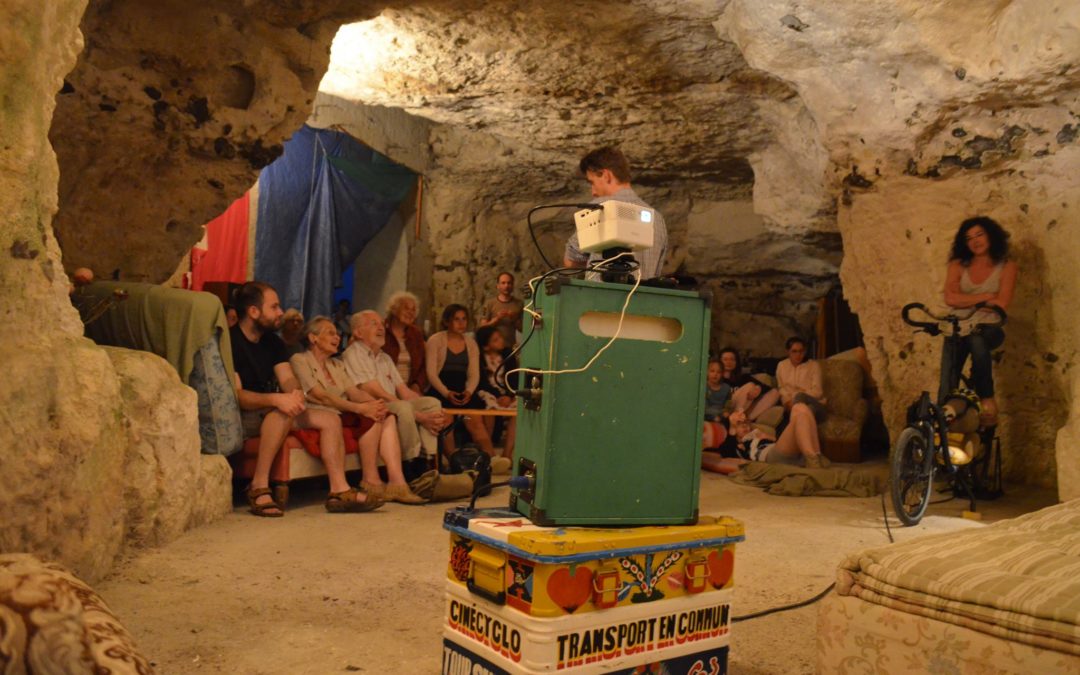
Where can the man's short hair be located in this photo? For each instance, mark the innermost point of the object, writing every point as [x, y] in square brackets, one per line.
[355, 319]
[250, 295]
[606, 158]
[509, 274]
[794, 340]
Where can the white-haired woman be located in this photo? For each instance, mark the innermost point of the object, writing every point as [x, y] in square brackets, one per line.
[404, 341]
[327, 386]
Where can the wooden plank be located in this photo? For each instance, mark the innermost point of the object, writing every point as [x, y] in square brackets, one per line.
[484, 412]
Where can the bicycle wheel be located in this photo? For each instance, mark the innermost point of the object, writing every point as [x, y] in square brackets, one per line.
[911, 470]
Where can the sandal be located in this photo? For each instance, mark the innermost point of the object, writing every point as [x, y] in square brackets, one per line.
[266, 510]
[346, 502]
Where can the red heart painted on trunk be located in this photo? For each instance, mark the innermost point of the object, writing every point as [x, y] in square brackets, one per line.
[721, 567]
[570, 590]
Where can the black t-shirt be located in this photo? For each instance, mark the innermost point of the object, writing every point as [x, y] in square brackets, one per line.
[254, 361]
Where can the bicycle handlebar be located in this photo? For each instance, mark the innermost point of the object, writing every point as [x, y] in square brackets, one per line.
[952, 319]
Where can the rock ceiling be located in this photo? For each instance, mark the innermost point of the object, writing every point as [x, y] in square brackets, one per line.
[650, 76]
[144, 112]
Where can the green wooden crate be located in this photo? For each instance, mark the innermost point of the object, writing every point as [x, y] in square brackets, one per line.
[620, 443]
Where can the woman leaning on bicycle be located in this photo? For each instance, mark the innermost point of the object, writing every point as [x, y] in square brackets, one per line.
[980, 271]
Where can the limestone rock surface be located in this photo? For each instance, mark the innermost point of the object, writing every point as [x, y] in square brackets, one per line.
[168, 486]
[63, 448]
[930, 114]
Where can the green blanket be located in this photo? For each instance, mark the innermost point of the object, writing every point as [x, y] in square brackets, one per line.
[794, 481]
[170, 322]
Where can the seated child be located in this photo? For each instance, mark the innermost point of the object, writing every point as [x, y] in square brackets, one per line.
[717, 391]
[493, 388]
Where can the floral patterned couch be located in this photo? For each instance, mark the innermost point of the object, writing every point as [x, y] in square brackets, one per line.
[50, 622]
[998, 599]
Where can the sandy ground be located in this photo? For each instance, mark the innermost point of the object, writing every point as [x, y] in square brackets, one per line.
[330, 593]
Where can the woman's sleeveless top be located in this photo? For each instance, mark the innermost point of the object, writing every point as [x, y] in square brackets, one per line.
[991, 284]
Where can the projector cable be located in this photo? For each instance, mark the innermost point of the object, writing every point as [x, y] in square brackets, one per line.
[532, 232]
[784, 608]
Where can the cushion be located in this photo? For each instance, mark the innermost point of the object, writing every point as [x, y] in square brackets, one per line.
[220, 428]
[842, 381]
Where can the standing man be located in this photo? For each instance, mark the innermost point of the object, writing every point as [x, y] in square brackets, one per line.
[504, 310]
[608, 174]
[419, 418]
[271, 403]
[799, 379]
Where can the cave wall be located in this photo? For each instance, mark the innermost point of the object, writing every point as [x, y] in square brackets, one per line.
[85, 467]
[930, 114]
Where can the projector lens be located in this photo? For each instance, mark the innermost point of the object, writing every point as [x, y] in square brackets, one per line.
[646, 216]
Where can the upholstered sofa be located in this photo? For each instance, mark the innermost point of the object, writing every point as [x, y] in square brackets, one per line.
[841, 431]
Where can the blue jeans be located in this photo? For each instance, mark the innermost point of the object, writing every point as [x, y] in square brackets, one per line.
[979, 346]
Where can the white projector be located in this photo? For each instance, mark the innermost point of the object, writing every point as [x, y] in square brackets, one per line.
[615, 225]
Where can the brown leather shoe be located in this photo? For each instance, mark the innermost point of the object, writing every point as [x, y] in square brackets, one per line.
[402, 494]
[374, 489]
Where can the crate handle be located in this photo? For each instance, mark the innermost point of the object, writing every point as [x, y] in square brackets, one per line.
[497, 598]
[704, 569]
[597, 589]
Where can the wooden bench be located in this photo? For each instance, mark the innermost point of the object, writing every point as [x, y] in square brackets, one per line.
[483, 412]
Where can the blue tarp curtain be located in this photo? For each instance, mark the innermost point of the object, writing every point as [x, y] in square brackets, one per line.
[320, 203]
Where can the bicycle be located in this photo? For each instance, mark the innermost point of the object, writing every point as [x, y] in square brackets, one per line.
[923, 447]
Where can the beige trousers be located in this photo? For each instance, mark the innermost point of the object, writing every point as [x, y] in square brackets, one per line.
[414, 437]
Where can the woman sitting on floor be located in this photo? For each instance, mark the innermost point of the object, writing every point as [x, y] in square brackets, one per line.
[493, 388]
[731, 368]
[453, 369]
[754, 398]
[797, 444]
[327, 387]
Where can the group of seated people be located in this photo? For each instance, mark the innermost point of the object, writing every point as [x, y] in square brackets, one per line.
[391, 382]
[980, 276]
[734, 401]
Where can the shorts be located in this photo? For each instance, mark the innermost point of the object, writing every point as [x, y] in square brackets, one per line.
[769, 454]
[251, 421]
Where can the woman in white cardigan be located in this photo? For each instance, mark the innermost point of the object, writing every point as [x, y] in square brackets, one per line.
[453, 370]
